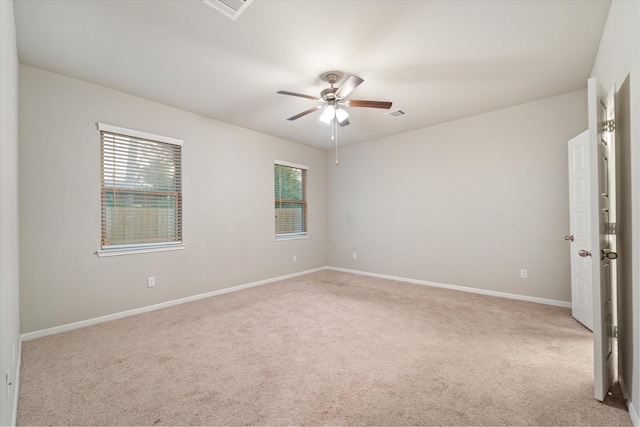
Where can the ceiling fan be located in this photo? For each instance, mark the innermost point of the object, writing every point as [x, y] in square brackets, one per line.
[333, 98]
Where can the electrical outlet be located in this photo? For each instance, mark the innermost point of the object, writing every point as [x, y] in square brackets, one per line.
[151, 282]
[524, 274]
[295, 258]
[355, 255]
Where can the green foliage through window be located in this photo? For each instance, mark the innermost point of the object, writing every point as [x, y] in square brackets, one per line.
[290, 200]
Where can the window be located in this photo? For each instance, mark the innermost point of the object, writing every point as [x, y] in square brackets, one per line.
[141, 194]
[290, 182]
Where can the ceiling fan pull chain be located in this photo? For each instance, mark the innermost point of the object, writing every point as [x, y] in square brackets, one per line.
[333, 133]
[335, 123]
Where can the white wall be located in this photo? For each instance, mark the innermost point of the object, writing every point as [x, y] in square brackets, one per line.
[619, 57]
[466, 203]
[9, 289]
[228, 205]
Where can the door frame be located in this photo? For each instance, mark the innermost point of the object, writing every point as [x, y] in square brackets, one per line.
[603, 359]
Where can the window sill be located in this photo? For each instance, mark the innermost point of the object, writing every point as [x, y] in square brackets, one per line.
[298, 237]
[117, 252]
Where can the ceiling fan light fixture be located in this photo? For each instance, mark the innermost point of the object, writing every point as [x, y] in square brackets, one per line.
[328, 114]
[341, 115]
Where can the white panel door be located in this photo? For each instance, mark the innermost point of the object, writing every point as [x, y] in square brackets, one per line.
[580, 229]
[601, 143]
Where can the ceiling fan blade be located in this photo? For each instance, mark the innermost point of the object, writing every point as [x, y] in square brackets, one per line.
[304, 113]
[348, 86]
[301, 95]
[368, 104]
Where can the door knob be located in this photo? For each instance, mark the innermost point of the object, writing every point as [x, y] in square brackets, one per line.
[569, 238]
[584, 253]
[607, 253]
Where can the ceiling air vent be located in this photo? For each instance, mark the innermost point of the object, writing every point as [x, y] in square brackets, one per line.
[230, 8]
[395, 113]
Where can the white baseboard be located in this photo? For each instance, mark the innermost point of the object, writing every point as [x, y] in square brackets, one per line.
[634, 416]
[556, 303]
[632, 411]
[83, 323]
[16, 390]
[623, 387]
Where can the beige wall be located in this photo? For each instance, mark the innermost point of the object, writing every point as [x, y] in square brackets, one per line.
[228, 205]
[466, 203]
[618, 62]
[9, 289]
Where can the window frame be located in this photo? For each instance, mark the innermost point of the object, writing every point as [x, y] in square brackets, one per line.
[140, 247]
[304, 203]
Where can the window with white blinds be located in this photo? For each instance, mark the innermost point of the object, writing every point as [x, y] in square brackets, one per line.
[290, 182]
[141, 194]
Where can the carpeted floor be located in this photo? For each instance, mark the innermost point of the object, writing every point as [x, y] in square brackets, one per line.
[328, 348]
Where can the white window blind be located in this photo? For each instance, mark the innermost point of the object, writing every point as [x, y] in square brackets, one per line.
[141, 195]
[290, 182]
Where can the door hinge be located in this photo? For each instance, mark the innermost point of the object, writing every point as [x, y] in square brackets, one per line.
[610, 228]
[609, 126]
[615, 332]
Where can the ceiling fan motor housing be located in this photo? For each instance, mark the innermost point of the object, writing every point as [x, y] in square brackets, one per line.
[329, 93]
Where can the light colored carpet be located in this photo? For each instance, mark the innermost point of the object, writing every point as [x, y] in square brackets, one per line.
[328, 348]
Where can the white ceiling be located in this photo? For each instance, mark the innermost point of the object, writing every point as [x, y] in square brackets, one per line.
[436, 60]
